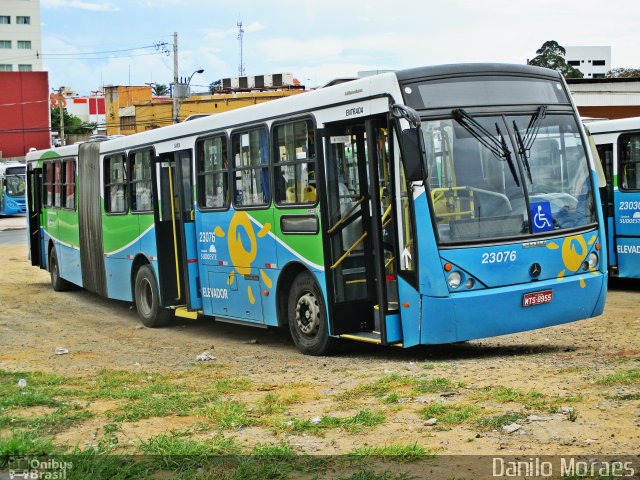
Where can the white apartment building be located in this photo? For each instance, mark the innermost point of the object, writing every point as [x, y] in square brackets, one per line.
[594, 62]
[20, 39]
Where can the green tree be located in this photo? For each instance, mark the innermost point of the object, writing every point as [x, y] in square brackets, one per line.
[160, 90]
[72, 124]
[551, 55]
[623, 73]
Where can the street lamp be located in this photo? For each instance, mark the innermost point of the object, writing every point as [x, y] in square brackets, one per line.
[181, 91]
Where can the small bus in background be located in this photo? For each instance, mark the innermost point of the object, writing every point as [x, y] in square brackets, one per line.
[13, 185]
[618, 145]
[425, 206]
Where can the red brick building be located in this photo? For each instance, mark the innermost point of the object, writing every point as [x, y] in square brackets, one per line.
[24, 112]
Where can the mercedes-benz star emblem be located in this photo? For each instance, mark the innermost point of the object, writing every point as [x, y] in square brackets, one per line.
[535, 270]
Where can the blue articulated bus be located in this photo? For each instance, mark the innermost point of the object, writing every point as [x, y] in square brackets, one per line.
[618, 145]
[425, 206]
[12, 188]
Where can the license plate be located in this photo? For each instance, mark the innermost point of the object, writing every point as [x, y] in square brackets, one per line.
[537, 298]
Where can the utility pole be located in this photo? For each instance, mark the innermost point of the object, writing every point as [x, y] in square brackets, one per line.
[174, 112]
[61, 104]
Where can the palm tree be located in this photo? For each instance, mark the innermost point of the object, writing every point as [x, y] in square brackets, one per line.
[160, 90]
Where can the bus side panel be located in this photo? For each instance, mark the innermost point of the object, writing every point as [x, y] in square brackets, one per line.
[627, 228]
[192, 265]
[611, 242]
[69, 247]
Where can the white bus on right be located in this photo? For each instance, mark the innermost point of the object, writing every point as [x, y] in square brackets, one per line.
[618, 144]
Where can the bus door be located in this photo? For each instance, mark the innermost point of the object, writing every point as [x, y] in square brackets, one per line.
[627, 205]
[358, 230]
[34, 187]
[175, 232]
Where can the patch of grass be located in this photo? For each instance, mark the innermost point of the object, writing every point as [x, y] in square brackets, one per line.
[51, 423]
[436, 385]
[25, 442]
[399, 452]
[228, 414]
[371, 475]
[529, 399]
[450, 413]
[617, 396]
[40, 389]
[356, 423]
[391, 398]
[157, 405]
[121, 384]
[379, 388]
[621, 378]
[273, 450]
[497, 421]
[229, 385]
[179, 444]
[272, 403]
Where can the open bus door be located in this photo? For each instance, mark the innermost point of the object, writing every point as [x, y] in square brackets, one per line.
[34, 199]
[175, 231]
[360, 244]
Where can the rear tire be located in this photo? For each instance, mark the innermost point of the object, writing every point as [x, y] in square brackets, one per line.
[58, 283]
[307, 317]
[147, 299]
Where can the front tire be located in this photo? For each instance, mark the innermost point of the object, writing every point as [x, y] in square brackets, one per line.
[307, 317]
[147, 299]
[58, 283]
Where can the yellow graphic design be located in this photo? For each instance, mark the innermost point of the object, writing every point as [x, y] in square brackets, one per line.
[244, 253]
[574, 251]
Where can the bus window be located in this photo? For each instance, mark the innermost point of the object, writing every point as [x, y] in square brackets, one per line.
[251, 168]
[212, 173]
[115, 188]
[407, 245]
[57, 199]
[48, 184]
[69, 184]
[141, 181]
[294, 158]
[629, 171]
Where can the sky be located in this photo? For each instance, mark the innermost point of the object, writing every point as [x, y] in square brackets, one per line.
[315, 41]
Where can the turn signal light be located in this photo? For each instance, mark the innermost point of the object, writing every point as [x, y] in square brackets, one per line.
[447, 267]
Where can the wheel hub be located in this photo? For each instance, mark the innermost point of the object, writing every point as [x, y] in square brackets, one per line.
[308, 314]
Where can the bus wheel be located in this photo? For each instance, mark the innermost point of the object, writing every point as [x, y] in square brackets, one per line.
[147, 299]
[58, 283]
[307, 317]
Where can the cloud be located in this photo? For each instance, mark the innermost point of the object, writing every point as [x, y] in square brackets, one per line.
[80, 5]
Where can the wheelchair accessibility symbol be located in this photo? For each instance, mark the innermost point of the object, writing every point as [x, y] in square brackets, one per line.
[541, 217]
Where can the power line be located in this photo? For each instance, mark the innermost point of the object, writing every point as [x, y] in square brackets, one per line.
[104, 51]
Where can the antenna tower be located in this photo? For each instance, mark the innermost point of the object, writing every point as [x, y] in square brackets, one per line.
[240, 37]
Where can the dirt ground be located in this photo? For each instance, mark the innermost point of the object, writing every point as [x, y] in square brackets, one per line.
[564, 362]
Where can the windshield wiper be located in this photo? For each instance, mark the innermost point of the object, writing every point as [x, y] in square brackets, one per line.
[498, 147]
[530, 135]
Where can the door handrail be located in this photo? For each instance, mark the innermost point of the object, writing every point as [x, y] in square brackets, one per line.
[345, 216]
[349, 250]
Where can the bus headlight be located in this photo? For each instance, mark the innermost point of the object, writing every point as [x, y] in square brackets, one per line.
[593, 260]
[454, 279]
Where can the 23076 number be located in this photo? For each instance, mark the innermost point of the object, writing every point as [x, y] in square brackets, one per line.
[499, 257]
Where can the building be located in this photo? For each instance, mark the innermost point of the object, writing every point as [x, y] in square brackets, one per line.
[133, 109]
[24, 112]
[606, 97]
[593, 62]
[20, 38]
[89, 109]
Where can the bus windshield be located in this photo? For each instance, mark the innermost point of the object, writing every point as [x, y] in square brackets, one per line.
[16, 185]
[502, 176]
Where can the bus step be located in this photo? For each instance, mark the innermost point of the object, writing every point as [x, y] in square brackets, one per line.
[368, 337]
[182, 312]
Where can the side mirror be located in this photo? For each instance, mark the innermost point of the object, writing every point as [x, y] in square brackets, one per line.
[412, 155]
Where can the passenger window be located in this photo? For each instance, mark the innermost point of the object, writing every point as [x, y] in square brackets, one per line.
[294, 163]
[57, 198]
[405, 232]
[48, 184]
[212, 173]
[251, 168]
[69, 185]
[115, 189]
[629, 168]
[141, 193]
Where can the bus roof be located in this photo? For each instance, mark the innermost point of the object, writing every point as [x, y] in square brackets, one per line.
[612, 126]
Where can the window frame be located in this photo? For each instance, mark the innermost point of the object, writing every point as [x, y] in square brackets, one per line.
[7, 18]
[23, 22]
[107, 184]
[201, 174]
[131, 181]
[621, 177]
[64, 185]
[234, 168]
[5, 43]
[47, 178]
[22, 45]
[275, 163]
